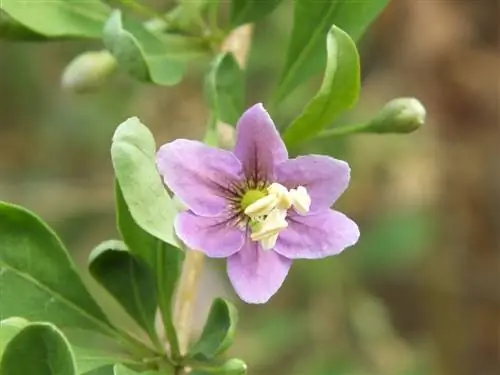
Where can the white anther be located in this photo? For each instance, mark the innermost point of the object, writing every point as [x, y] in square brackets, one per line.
[301, 201]
[284, 200]
[262, 206]
[269, 229]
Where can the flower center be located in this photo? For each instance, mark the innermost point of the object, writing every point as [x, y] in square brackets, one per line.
[267, 212]
[250, 197]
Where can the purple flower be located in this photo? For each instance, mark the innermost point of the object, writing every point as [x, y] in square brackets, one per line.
[255, 206]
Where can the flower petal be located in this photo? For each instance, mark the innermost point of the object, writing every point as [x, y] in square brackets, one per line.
[324, 177]
[317, 235]
[217, 237]
[258, 144]
[256, 274]
[200, 176]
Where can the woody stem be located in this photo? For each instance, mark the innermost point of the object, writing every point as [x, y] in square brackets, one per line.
[238, 42]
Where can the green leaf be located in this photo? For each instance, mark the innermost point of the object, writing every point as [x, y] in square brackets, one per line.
[38, 280]
[164, 259]
[10, 29]
[233, 366]
[93, 360]
[8, 329]
[87, 360]
[218, 332]
[338, 92]
[122, 370]
[312, 20]
[133, 152]
[93, 351]
[225, 89]
[62, 18]
[147, 55]
[247, 11]
[39, 348]
[129, 280]
[106, 370]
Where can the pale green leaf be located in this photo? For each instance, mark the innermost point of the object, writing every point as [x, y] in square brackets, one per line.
[133, 152]
[339, 90]
[247, 11]
[38, 349]
[38, 280]
[61, 18]
[106, 370]
[148, 55]
[89, 360]
[218, 332]
[312, 21]
[8, 329]
[232, 366]
[10, 29]
[129, 280]
[225, 89]
[122, 370]
[165, 260]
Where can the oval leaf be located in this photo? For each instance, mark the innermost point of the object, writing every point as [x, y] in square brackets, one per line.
[163, 259]
[8, 329]
[87, 360]
[39, 348]
[146, 55]
[133, 153]
[106, 370]
[233, 366]
[62, 18]
[338, 92]
[247, 11]
[38, 280]
[225, 89]
[122, 370]
[129, 280]
[12, 30]
[312, 20]
[218, 332]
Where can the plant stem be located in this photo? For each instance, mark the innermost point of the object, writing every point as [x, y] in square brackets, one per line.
[238, 42]
[342, 130]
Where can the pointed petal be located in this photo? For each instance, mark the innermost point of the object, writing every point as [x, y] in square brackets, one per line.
[217, 237]
[317, 235]
[325, 178]
[202, 177]
[258, 144]
[256, 274]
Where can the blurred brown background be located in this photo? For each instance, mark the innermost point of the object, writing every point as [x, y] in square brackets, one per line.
[420, 293]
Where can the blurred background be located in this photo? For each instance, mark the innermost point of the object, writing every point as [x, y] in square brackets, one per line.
[419, 294]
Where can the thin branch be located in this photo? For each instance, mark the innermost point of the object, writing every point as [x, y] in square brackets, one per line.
[238, 42]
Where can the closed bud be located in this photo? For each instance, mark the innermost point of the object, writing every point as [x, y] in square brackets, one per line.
[402, 115]
[235, 366]
[88, 71]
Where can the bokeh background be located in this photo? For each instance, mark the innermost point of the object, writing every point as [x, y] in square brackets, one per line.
[419, 294]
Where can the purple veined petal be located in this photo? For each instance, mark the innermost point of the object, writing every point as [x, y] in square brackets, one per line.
[217, 237]
[324, 177]
[256, 274]
[200, 176]
[317, 235]
[258, 144]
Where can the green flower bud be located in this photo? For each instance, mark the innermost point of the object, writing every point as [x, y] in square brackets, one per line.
[402, 115]
[88, 71]
[234, 366]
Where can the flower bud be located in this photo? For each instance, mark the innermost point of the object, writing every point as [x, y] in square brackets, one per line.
[402, 115]
[234, 366]
[88, 71]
